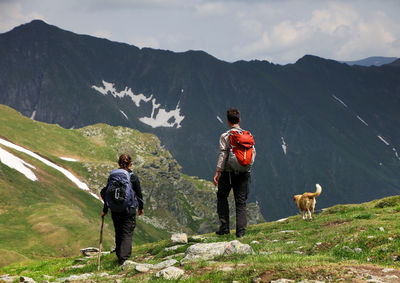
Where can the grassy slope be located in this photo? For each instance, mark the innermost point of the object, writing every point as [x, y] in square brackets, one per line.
[307, 250]
[52, 217]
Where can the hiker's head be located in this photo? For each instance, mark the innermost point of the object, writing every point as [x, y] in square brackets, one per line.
[233, 115]
[125, 161]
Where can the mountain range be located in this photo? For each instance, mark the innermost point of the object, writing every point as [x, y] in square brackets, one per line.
[314, 121]
[372, 61]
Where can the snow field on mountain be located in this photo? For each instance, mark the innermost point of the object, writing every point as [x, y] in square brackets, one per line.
[160, 118]
[16, 162]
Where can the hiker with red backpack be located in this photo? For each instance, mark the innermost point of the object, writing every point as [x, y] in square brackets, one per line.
[237, 154]
[122, 196]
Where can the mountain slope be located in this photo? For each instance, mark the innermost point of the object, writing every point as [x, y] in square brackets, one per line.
[372, 61]
[315, 121]
[344, 243]
[53, 217]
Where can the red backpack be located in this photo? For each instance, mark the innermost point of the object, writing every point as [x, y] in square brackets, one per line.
[241, 150]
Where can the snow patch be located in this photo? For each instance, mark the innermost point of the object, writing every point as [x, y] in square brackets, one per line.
[109, 88]
[68, 159]
[159, 118]
[396, 153]
[18, 164]
[163, 118]
[284, 145]
[219, 119]
[281, 220]
[33, 115]
[359, 118]
[123, 113]
[341, 101]
[68, 174]
[382, 139]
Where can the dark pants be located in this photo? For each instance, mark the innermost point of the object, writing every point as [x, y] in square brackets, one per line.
[240, 184]
[124, 224]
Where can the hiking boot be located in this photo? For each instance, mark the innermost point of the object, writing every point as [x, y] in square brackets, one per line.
[222, 232]
[240, 234]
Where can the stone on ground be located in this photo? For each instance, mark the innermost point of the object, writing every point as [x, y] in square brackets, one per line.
[170, 273]
[208, 251]
[179, 238]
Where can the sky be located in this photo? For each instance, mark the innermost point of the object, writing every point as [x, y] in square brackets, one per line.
[279, 31]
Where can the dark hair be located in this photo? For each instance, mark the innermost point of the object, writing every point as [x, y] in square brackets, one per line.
[233, 115]
[124, 161]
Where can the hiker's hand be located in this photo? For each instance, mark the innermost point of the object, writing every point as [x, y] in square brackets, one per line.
[140, 212]
[103, 214]
[216, 178]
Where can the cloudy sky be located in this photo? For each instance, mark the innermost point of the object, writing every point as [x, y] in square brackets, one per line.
[280, 31]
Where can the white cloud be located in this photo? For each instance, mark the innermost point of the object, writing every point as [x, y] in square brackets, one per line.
[11, 15]
[336, 29]
[211, 9]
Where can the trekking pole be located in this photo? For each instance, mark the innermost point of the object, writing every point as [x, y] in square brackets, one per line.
[100, 244]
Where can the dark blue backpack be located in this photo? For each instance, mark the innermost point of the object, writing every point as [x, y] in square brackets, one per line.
[119, 195]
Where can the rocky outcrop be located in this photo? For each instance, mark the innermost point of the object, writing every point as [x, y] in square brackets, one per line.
[179, 238]
[208, 251]
[170, 273]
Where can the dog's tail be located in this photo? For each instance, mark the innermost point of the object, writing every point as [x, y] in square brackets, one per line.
[317, 192]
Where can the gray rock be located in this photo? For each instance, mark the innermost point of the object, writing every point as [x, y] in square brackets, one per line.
[381, 229]
[254, 242]
[226, 269]
[170, 273]
[358, 250]
[208, 251]
[145, 267]
[236, 247]
[26, 279]
[165, 264]
[7, 278]
[179, 238]
[282, 280]
[141, 268]
[90, 252]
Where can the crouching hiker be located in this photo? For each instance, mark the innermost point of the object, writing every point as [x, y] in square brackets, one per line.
[123, 195]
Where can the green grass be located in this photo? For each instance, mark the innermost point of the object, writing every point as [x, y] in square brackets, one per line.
[323, 249]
